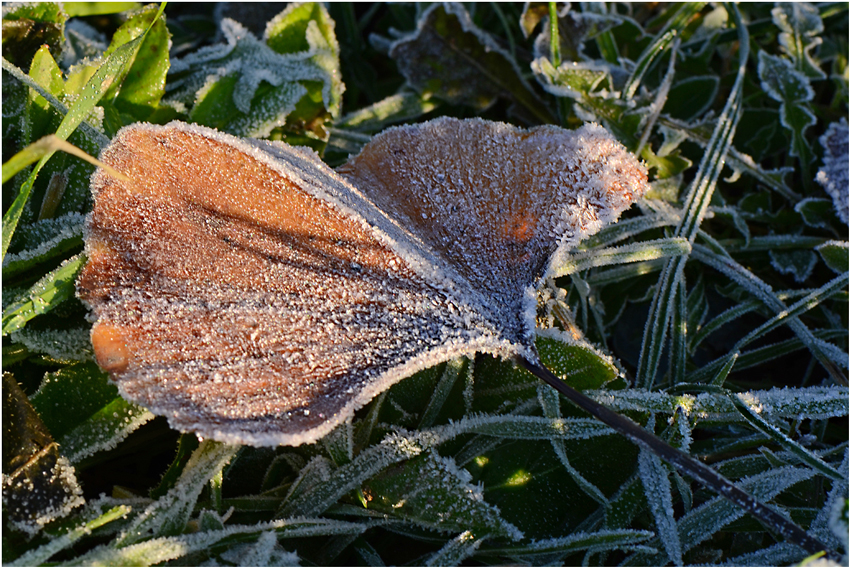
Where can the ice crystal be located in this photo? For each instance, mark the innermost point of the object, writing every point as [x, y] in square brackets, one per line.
[267, 311]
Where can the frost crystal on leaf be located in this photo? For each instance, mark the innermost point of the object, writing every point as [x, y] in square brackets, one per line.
[833, 175]
[800, 23]
[265, 552]
[240, 67]
[63, 344]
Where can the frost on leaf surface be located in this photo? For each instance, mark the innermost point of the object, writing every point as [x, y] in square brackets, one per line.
[263, 85]
[833, 176]
[433, 492]
[62, 344]
[801, 24]
[268, 311]
[265, 552]
[39, 484]
[450, 56]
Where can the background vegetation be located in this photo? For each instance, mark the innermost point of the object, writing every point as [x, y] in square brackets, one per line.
[715, 314]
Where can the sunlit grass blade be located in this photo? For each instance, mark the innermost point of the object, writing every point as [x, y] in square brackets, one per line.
[77, 113]
[698, 198]
[46, 147]
[573, 263]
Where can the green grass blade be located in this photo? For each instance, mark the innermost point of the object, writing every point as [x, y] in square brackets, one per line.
[46, 294]
[88, 98]
[699, 196]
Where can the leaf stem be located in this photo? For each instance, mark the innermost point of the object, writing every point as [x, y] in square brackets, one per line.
[684, 463]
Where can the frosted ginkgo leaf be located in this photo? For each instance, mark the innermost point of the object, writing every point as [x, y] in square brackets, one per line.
[251, 294]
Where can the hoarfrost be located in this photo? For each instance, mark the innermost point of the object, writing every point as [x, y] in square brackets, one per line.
[443, 497]
[82, 41]
[798, 263]
[268, 311]
[810, 403]
[63, 344]
[800, 23]
[831, 522]
[105, 430]
[780, 554]
[43, 490]
[833, 176]
[656, 484]
[265, 552]
[251, 62]
[459, 548]
[48, 233]
[172, 511]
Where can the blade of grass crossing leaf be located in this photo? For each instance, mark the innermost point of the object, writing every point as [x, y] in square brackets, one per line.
[765, 427]
[53, 289]
[699, 196]
[48, 145]
[88, 98]
[55, 103]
